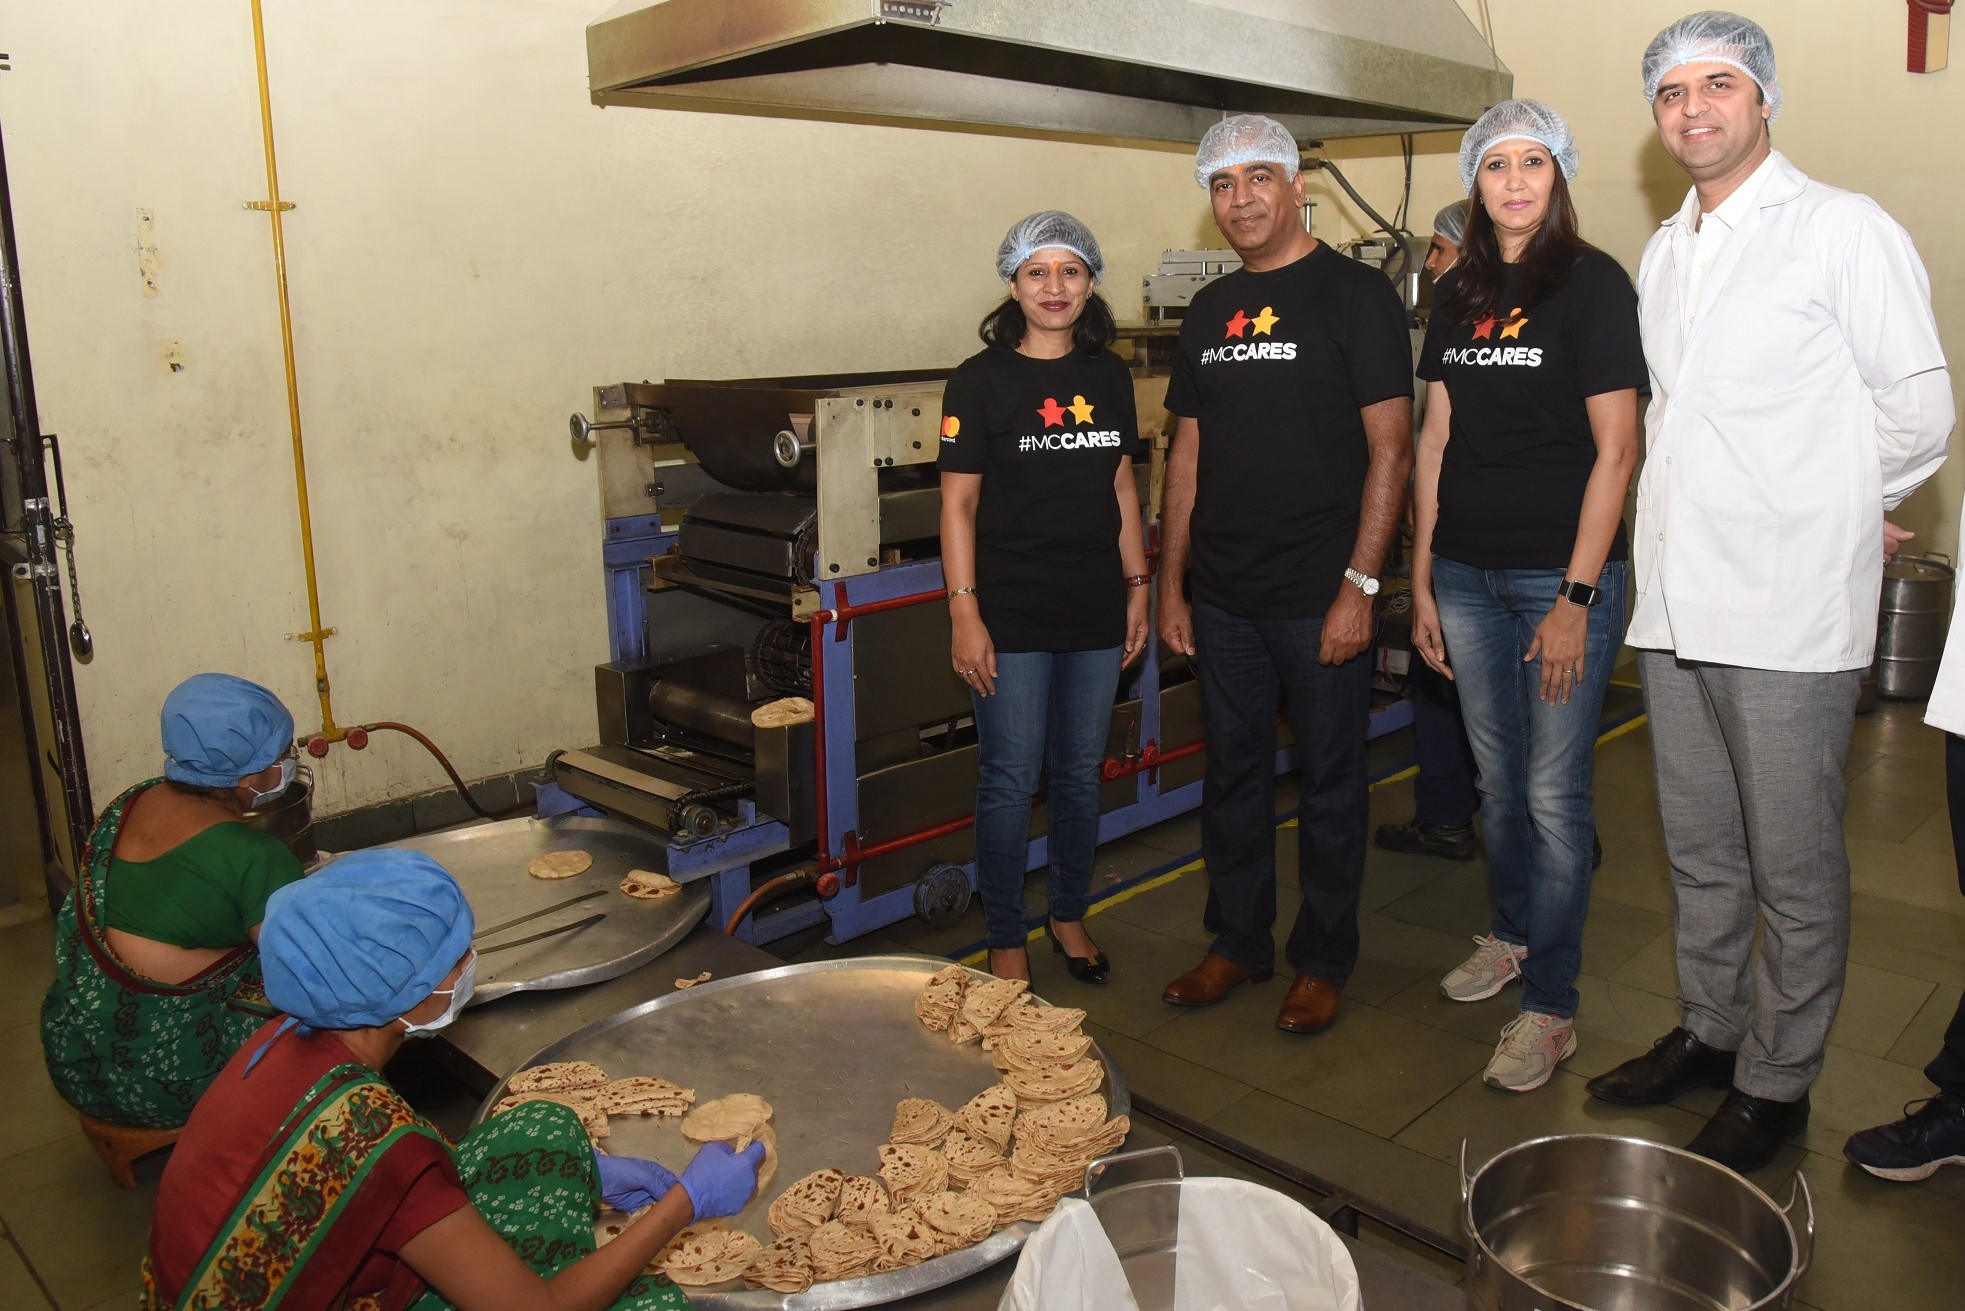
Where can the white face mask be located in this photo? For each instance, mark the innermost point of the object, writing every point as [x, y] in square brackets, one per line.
[460, 996]
[288, 765]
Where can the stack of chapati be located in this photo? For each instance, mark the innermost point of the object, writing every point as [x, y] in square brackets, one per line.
[911, 1169]
[919, 1120]
[586, 1088]
[702, 1255]
[783, 1267]
[842, 1251]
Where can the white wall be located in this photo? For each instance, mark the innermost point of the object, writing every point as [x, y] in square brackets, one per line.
[476, 246]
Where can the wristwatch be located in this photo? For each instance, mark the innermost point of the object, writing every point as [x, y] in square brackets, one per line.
[1365, 582]
[1579, 593]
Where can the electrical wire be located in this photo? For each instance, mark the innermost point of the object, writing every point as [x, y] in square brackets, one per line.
[456, 779]
[1384, 225]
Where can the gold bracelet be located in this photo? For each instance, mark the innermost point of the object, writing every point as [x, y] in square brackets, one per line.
[960, 591]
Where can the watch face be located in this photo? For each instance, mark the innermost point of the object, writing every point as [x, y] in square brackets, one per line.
[1371, 587]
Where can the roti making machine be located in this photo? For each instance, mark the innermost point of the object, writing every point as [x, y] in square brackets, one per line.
[767, 539]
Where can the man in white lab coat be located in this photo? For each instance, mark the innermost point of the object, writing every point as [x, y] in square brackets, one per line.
[1799, 392]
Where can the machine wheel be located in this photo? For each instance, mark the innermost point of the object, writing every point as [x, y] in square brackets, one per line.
[941, 895]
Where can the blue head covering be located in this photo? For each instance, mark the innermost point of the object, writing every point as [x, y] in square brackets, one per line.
[364, 939]
[219, 729]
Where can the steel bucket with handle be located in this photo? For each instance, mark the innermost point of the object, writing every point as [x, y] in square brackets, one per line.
[1591, 1222]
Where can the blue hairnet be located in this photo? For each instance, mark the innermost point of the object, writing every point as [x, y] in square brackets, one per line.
[1246, 139]
[364, 939]
[1450, 224]
[1715, 37]
[1045, 230]
[1517, 120]
[218, 729]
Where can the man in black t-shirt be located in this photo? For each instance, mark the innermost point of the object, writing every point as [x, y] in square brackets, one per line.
[1292, 384]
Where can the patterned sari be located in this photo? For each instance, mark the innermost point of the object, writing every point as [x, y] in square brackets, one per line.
[128, 1049]
[306, 1224]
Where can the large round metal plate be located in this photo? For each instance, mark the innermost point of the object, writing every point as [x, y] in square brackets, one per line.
[489, 862]
[832, 1046]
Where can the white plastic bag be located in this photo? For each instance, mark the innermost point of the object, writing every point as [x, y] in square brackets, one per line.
[1243, 1247]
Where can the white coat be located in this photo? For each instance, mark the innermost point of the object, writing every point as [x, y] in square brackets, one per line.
[1783, 421]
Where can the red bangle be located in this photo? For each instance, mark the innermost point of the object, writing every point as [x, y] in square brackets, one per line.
[1138, 580]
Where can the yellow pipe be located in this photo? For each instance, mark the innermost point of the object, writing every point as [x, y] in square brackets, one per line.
[274, 207]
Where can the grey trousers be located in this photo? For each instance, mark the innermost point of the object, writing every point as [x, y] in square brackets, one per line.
[1750, 786]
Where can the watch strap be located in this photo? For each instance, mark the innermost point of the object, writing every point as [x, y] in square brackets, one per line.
[1579, 593]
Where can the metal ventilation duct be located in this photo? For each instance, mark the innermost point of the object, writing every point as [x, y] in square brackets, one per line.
[1144, 70]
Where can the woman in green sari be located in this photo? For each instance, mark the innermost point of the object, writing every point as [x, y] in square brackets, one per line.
[156, 980]
[305, 1182]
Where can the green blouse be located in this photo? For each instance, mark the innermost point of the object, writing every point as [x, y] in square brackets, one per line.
[207, 891]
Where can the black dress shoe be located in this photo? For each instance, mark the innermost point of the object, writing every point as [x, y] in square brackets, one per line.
[1085, 969]
[1746, 1131]
[1677, 1063]
[1450, 841]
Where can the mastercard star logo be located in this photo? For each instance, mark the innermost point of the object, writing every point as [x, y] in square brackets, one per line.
[1263, 323]
[1511, 327]
[951, 426]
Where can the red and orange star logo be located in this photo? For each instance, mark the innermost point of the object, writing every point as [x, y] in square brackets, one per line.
[1513, 328]
[1484, 330]
[1052, 412]
[1265, 321]
[1081, 409]
[1238, 325]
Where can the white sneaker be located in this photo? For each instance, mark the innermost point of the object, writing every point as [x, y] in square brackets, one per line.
[1493, 966]
[1531, 1047]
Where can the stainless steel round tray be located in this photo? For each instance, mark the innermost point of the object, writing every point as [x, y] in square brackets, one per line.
[556, 949]
[832, 1046]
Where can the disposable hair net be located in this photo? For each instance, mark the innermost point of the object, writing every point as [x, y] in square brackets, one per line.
[1246, 139]
[1714, 36]
[1450, 224]
[218, 729]
[1047, 229]
[1517, 120]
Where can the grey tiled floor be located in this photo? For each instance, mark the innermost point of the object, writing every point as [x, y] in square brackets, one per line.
[1381, 1102]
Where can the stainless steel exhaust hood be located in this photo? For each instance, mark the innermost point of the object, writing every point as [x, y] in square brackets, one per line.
[1142, 70]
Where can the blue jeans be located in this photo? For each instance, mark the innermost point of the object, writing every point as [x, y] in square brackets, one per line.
[1244, 663]
[1535, 759]
[1065, 696]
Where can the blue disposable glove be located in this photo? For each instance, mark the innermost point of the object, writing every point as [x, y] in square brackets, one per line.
[719, 1181]
[627, 1184]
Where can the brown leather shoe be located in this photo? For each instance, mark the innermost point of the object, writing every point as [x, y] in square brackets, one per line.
[1311, 1006]
[1207, 983]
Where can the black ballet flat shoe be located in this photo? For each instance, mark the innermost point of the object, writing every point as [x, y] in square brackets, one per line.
[1085, 969]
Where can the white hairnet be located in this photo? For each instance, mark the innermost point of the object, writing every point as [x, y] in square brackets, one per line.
[1714, 37]
[1246, 139]
[1516, 120]
[1044, 230]
[1450, 224]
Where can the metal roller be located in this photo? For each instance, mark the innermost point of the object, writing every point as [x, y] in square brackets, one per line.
[725, 718]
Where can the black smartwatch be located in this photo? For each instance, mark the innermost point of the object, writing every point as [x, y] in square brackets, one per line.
[1579, 593]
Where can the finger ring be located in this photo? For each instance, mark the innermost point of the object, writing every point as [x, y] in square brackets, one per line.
[968, 673]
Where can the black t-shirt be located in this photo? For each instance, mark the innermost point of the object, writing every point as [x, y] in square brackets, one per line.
[1520, 450]
[1275, 366]
[1047, 437]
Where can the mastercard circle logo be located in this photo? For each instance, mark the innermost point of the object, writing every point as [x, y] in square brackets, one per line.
[951, 426]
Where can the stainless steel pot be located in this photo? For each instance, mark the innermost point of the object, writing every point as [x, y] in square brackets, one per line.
[1913, 614]
[1137, 1198]
[290, 817]
[1590, 1222]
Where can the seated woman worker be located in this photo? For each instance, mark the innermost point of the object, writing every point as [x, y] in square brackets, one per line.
[304, 1180]
[156, 980]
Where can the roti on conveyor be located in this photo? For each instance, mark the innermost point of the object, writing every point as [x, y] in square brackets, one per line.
[736, 1119]
[557, 1076]
[559, 864]
[647, 885]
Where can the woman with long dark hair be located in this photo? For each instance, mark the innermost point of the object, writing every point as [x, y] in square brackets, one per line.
[1046, 571]
[1533, 367]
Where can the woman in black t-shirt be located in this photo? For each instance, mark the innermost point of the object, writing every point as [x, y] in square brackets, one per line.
[1533, 367]
[1046, 572]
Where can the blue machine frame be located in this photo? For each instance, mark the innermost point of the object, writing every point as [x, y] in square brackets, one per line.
[727, 857]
